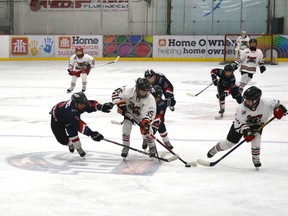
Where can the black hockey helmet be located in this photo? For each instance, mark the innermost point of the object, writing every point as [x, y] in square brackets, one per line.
[156, 91]
[228, 68]
[142, 84]
[149, 73]
[79, 97]
[254, 94]
[253, 40]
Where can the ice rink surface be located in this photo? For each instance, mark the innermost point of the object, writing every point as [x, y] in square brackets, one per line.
[38, 176]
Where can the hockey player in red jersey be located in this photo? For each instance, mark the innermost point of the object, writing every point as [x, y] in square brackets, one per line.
[66, 121]
[158, 124]
[136, 104]
[166, 86]
[249, 116]
[80, 64]
[225, 82]
[249, 59]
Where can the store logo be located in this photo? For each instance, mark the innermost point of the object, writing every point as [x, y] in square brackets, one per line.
[65, 42]
[162, 42]
[19, 46]
[35, 5]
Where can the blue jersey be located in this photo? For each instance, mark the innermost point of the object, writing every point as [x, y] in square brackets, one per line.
[225, 82]
[65, 113]
[165, 85]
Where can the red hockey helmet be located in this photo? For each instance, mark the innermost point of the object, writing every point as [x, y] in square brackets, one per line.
[79, 51]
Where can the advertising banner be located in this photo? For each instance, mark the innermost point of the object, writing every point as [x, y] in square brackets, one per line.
[4, 46]
[188, 46]
[128, 45]
[32, 46]
[65, 45]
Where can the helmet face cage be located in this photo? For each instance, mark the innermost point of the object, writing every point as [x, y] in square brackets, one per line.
[254, 94]
[78, 49]
[149, 73]
[243, 34]
[254, 45]
[156, 91]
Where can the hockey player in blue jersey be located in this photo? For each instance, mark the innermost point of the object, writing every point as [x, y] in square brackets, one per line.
[66, 121]
[166, 86]
[225, 81]
[158, 124]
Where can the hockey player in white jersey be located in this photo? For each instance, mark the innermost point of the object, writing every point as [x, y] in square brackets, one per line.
[242, 43]
[249, 116]
[249, 59]
[136, 103]
[80, 64]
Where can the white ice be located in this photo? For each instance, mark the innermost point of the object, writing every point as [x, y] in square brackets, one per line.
[38, 176]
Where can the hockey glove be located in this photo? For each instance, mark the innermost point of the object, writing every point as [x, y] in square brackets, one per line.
[170, 101]
[96, 136]
[106, 107]
[215, 81]
[122, 108]
[280, 111]
[248, 135]
[234, 65]
[262, 69]
[144, 126]
[71, 72]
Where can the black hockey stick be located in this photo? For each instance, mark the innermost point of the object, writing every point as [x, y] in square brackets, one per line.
[143, 152]
[187, 164]
[211, 164]
[195, 95]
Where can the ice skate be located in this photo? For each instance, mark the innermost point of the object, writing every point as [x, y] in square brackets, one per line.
[81, 152]
[144, 144]
[221, 111]
[70, 90]
[124, 153]
[212, 152]
[168, 145]
[71, 147]
[256, 162]
[83, 88]
[152, 151]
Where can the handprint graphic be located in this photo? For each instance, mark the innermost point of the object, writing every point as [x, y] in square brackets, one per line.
[33, 46]
[47, 47]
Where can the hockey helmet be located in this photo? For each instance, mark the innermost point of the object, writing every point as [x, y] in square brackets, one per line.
[252, 94]
[142, 84]
[228, 68]
[78, 50]
[79, 98]
[156, 91]
[149, 73]
[243, 34]
[253, 44]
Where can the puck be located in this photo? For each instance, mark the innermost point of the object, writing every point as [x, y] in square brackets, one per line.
[187, 165]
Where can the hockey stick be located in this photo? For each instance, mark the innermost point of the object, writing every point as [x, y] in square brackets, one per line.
[187, 164]
[195, 95]
[143, 152]
[210, 164]
[230, 41]
[107, 63]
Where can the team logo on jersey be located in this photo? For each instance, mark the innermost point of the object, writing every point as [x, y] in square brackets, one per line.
[254, 119]
[19, 45]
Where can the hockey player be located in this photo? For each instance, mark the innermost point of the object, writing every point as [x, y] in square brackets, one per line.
[80, 64]
[250, 115]
[242, 43]
[249, 59]
[136, 104]
[225, 82]
[166, 86]
[158, 123]
[66, 122]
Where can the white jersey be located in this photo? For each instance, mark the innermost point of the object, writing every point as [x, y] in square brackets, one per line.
[78, 64]
[244, 117]
[249, 60]
[139, 108]
[242, 43]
